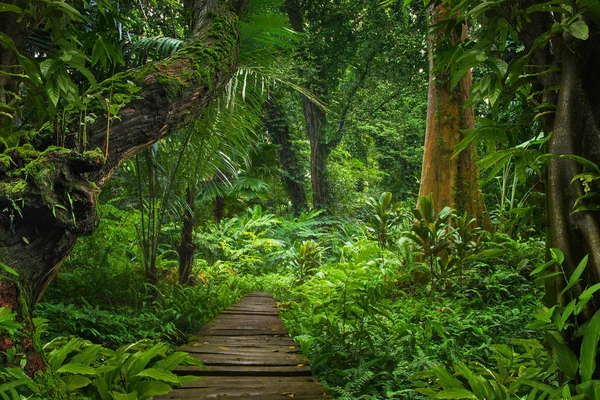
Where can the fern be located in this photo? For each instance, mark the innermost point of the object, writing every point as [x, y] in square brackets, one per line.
[147, 49]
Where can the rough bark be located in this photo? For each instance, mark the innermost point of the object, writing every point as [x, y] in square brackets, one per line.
[47, 194]
[454, 181]
[576, 130]
[187, 247]
[279, 131]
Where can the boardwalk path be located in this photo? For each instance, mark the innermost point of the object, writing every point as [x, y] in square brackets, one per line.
[249, 354]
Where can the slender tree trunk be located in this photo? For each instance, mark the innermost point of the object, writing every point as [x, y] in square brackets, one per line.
[187, 247]
[279, 131]
[315, 120]
[219, 208]
[48, 196]
[454, 181]
[153, 234]
[319, 154]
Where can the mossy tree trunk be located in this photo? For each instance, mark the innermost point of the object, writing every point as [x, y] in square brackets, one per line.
[48, 194]
[454, 181]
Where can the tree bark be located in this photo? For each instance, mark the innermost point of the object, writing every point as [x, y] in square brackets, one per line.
[219, 208]
[279, 131]
[576, 131]
[454, 181]
[48, 194]
[187, 247]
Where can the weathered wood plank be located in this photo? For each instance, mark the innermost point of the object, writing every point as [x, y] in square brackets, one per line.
[251, 387]
[246, 340]
[251, 359]
[240, 350]
[245, 370]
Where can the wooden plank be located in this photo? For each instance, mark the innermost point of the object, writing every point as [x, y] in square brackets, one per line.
[240, 350]
[278, 340]
[245, 370]
[251, 359]
[250, 381]
[278, 388]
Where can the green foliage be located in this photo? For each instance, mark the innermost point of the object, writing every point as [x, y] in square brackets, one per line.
[139, 370]
[528, 368]
[384, 220]
[15, 384]
[307, 257]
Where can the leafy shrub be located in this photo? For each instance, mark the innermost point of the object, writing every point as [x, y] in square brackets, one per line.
[134, 371]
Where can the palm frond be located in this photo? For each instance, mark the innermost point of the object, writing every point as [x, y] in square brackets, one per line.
[145, 49]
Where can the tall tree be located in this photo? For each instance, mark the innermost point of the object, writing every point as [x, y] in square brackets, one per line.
[543, 58]
[344, 43]
[279, 130]
[453, 180]
[47, 193]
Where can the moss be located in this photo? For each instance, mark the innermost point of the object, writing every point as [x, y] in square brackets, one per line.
[22, 155]
[13, 190]
[5, 162]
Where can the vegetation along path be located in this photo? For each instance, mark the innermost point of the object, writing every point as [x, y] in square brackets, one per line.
[248, 353]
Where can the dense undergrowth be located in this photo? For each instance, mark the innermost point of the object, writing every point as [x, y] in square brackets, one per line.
[372, 303]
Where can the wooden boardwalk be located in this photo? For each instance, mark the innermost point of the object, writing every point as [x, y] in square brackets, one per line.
[249, 354]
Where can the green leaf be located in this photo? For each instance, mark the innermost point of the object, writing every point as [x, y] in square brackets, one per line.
[590, 165]
[124, 396]
[564, 358]
[74, 382]
[576, 274]
[579, 29]
[8, 269]
[10, 8]
[587, 362]
[87, 355]
[77, 368]
[455, 394]
[53, 91]
[159, 374]
[557, 255]
[146, 390]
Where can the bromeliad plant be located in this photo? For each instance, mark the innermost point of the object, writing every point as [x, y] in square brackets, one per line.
[307, 258]
[382, 224]
[447, 241]
[432, 234]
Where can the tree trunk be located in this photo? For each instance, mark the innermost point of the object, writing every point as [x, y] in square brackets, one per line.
[219, 208]
[187, 247]
[279, 131]
[315, 120]
[319, 153]
[576, 131]
[454, 181]
[48, 194]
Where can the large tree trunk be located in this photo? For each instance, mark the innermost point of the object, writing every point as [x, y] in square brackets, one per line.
[279, 131]
[48, 194]
[454, 181]
[576, 131]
